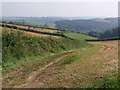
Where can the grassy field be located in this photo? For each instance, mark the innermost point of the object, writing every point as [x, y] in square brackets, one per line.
[69, 35]
[33, 23]
[79, 36]
[50, 25]
[34, 28]
[93, 66]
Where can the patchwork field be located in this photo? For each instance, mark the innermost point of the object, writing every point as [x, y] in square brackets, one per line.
[27, 33]
[34, 28]
[58, 32]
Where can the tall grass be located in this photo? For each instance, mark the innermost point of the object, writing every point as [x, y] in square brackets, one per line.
[16, 46]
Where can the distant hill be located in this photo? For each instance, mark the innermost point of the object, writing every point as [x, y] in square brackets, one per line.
[104, 20]
[108, 34]
[75, 24]
[36, 19]
[31, 23]
[87, 25]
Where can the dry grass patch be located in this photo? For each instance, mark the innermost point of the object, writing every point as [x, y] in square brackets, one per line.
[34, 28]
[27, 33]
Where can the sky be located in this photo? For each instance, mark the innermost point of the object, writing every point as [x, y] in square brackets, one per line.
[60, 0]
[71, 8]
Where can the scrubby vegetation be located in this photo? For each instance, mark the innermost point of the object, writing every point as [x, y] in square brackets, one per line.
[17, 46]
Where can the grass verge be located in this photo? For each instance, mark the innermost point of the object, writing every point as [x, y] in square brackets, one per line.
[111, 82]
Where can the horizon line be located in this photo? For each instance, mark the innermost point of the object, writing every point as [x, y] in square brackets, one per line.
[60, 16]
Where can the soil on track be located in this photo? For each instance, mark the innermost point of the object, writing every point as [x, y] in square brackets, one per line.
[9, 79]
[90, 66]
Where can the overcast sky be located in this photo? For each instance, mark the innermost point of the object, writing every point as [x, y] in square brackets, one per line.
[60, 0]
[71, 9]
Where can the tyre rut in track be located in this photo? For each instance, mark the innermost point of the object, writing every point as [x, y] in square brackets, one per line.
[32, 78]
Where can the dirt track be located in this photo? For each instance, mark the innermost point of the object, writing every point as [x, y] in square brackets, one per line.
[34, 75]
[85, 70]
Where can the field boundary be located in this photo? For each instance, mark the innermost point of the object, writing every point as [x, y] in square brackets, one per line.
[102, 39]
[34, 31]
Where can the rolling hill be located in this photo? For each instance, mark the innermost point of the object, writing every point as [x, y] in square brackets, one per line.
[20, 44]
[98, 25]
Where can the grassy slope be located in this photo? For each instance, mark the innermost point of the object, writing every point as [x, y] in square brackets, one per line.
[19, 48]
[30, 33]
[18, 41]
[51, 25]
[79, 36]
[78, 71]
[31, 28]
[21, 54]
